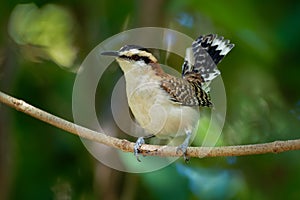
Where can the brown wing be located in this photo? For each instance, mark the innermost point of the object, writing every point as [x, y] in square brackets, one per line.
[187, 92]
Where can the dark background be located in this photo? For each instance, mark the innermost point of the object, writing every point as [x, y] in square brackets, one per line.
[42, 45]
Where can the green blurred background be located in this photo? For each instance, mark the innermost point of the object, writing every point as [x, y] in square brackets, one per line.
[42, 44]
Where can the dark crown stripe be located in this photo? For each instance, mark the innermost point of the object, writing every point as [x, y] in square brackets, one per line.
[137, 58]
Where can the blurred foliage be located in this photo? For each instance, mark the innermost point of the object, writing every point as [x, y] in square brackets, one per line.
[261, 76]
[44, 33]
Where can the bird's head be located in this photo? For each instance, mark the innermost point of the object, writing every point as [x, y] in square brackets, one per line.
[132, 55]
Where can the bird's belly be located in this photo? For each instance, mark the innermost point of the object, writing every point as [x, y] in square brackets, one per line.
[152, 107]
[157, 114]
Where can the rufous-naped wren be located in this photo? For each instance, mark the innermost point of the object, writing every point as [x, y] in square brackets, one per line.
[166, 106]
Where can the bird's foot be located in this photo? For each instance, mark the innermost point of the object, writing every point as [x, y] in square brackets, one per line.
[140, 141]
[183, 148]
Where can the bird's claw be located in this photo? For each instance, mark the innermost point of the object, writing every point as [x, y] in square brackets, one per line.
[183, 148]
[140, 141]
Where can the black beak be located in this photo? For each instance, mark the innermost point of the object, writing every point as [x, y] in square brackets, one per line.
[110, 53]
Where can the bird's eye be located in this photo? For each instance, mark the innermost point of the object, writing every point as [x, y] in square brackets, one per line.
[135, 57]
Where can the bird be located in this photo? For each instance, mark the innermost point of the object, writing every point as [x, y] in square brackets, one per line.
[166, 106]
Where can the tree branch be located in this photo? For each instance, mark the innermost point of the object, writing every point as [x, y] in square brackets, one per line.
[154, 150]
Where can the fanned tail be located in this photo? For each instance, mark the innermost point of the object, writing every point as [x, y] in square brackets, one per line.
[207, 51]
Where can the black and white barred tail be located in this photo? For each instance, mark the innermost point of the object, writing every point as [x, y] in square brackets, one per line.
[207, 51]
